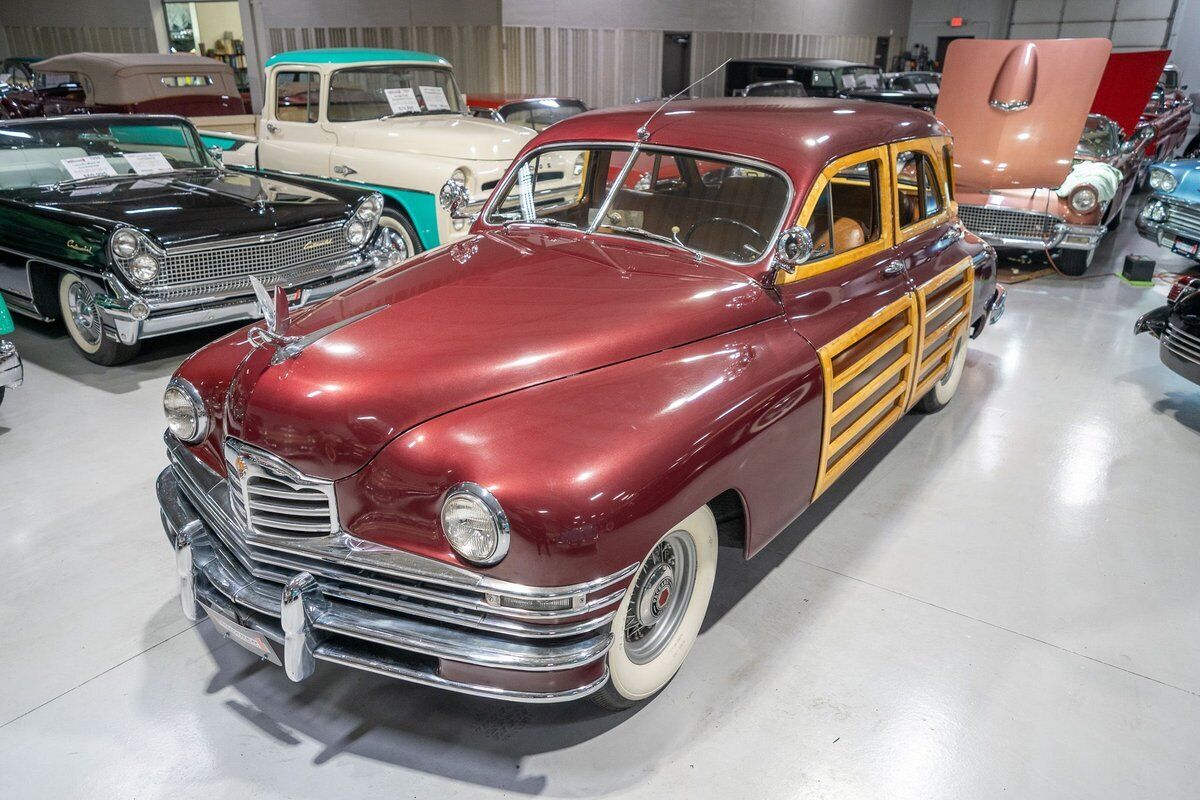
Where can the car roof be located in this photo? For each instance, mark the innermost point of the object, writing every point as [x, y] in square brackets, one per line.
[354, 55]
[798, 135]
[819, 63]
[485, 100]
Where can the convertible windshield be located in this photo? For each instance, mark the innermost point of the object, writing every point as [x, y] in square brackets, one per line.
[705, 204]
[1098, 139]
[49, 152]
[391, 90]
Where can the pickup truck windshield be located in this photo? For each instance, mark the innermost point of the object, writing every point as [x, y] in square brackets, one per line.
[44, 153]
[389, 90]
[700, 203]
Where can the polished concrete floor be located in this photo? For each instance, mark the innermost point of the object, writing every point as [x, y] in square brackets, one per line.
[1003, 600]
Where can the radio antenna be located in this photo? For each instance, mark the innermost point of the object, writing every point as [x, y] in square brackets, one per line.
[643, 133]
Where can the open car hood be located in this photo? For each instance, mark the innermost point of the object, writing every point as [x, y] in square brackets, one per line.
[1125, 88]
[1016, 108]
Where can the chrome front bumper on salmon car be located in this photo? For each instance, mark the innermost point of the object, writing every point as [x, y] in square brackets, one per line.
[335, 599]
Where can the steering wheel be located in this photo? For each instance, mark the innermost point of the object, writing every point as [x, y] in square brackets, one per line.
[746, 249]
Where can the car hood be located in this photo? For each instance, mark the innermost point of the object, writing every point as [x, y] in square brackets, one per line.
[1016, 108]
[192, 209]
[485, 317]
[1125, 87]
[454, 137]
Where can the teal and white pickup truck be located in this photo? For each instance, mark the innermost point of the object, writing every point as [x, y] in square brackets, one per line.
[391, 120]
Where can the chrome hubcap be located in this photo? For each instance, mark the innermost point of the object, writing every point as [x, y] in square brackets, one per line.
[83, 312]
[660, 597]
[395, 238]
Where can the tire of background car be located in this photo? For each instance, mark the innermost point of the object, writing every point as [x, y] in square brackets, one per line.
[1193, 147]
[942, 392]
[77, 309]
[1074, 262]
[671, 591]
[1115, 222]
[1, 395]
[398, 223]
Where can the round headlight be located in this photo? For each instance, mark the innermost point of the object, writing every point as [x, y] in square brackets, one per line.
[474, 524]
[1167, 182]
[459, 175]
[144, 268]
[184, 410]
[1155, 178]
[1084, 199]
[369, 210]
[126, 243]
[356, 232]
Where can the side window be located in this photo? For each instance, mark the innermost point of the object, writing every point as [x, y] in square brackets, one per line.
[297, 96]
[846, 215]
[919, 192]
[948, 156]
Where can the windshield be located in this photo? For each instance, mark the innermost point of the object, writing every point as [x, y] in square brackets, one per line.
[52, 152]
[541, 114]
[1098, 139]
[702, 203]
[392, 90]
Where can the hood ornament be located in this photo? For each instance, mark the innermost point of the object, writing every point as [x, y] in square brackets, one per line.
[277, 316]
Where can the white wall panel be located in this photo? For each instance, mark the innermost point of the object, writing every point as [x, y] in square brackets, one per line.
[1131, 24]
[1147, 34]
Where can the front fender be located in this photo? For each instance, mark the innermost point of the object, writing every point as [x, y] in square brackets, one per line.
[594, 468]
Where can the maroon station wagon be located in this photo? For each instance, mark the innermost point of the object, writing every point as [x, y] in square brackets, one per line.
[505, 467]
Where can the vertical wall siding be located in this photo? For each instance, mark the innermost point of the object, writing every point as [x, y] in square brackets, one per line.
[55, 40]
[601, 66]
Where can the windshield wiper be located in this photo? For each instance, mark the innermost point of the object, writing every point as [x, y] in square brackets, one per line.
[548, 221]
[673, 239]
[79, 181]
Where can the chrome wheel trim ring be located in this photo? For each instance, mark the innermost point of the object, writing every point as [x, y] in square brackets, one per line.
[84, 316]
[671, 569]
[397, 236]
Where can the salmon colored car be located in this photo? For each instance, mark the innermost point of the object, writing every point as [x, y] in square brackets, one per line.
[505, 468]
[1036, 171]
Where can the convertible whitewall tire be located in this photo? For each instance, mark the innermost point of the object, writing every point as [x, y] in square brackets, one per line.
[77, 309]
[402, 228]
[671, 590]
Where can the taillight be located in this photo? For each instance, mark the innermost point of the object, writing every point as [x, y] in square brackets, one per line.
[1184, 286]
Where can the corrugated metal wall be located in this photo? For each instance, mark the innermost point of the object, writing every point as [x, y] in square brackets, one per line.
[54, 40]
[1131, 24]
[602, 66]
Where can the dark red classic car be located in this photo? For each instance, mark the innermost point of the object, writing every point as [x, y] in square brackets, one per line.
[506, 467]
[1168, 113]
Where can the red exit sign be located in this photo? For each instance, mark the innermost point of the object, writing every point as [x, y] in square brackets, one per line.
[956, 22]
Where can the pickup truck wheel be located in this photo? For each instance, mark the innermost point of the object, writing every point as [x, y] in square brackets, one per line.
[943, 391]
[660, 615]
[77, 309]
[398, 226]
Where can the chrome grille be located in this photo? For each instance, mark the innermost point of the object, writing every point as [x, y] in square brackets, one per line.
[1184, 219]
[274, 499]
[259, 256]
[1008, 223]
[1184, 345]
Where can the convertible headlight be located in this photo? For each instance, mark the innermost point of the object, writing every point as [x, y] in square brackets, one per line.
[144, 268]
[1165, 182]
[184, 410]
[1084, 199]
[1155, 211]
[475, 524]
[126, 243]
[356, 232]
[368, 210]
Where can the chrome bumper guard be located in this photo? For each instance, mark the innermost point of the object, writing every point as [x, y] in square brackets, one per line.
[343, 608]
[12, 373]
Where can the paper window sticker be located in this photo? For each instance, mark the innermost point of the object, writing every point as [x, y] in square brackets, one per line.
[152, 163]
[88, 167]
[435, 98]
[402, 101]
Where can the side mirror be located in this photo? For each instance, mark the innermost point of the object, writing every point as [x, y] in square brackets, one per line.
[454, 197]
[217, 154]
[793, 248]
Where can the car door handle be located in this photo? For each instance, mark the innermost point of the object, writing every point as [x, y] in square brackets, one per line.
[272, 127]
[894, 268]
[342, 169]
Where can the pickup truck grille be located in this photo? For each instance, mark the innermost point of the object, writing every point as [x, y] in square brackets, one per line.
[232, 263]
[1008, 223]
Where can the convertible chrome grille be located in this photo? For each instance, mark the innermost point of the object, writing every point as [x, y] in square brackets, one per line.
[1184, 345]
[274, 499]
[1008, 223]
[1184, 219]
[262, 257]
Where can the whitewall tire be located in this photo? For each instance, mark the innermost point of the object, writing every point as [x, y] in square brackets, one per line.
[942, 392]
[397, 225]
[79, 314]
[660, 616]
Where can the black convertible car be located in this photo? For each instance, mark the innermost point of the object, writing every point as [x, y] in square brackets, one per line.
[821, 77]
[1177, 328]
[124, 227]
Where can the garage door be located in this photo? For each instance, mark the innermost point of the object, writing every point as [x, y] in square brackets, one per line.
[1131, 24]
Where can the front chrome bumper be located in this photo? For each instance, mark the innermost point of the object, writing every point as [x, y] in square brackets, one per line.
[1063, 237]
[12, 373]
[127, 318]
[351, 602]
